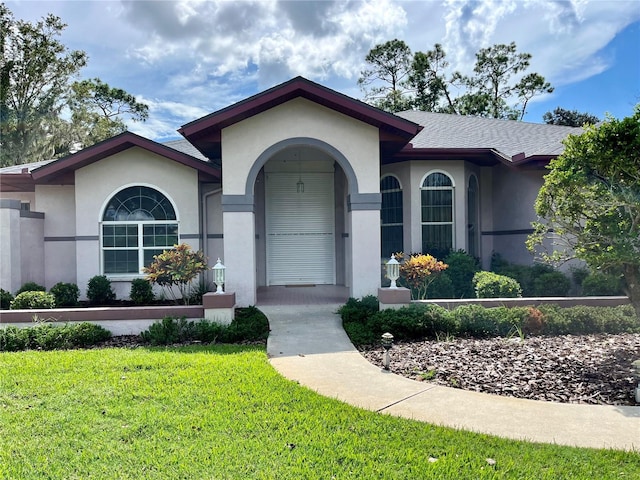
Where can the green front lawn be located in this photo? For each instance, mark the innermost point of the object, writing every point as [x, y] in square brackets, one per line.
[223, 412]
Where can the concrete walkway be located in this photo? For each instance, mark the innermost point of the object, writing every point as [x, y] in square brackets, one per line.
[307, 344]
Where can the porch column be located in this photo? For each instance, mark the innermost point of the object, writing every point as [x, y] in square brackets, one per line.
[239, 248]
[364, 261]
[10, 253]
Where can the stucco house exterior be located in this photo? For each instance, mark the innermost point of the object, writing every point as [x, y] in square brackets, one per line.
[297, 185]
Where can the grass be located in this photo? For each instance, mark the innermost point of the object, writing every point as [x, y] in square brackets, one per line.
[223, 412]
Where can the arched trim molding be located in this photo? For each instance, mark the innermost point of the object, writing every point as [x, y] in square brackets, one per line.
[356, 200]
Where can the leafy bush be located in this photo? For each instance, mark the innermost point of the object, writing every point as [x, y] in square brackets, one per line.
[30, 300]
[249, 324]
[462, 268]
[30, 287]
[169, 330]
[525, 275]
[602, 284]
[46, 336]
[492, 285]
[551, 284]
[359, 310]
[66, 294]
[176, 267]
[99, 291]
[418, 272]
[141, 292]
[5, 299]
[441, 287]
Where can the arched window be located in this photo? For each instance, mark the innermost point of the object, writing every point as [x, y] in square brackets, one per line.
[472, 217]
[391, 216]
[138, 223]
[437, 214]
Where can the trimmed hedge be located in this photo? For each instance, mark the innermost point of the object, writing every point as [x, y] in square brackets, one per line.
[66, 294]
[46, 336]
[249, 324]
[31, 300]
[492, 285]
[419, 321]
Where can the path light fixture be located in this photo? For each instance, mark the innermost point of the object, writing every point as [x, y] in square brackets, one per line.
[636, 366]
[393, 271]
[387, 343]
[218, 276]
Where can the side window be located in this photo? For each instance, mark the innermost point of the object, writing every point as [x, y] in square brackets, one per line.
[391, 216]
[138, 223]
[437, 214]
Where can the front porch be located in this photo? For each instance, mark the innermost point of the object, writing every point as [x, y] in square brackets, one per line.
[302, 295]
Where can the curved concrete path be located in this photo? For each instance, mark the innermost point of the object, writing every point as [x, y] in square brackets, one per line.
[308, 344]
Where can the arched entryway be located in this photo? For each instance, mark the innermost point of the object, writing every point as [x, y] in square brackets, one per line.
[301, 200]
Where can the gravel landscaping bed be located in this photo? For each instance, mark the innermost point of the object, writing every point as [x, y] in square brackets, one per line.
[593, 369]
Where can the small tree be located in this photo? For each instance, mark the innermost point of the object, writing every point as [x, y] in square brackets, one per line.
[176, 267]
[589, 204]
[418, 272]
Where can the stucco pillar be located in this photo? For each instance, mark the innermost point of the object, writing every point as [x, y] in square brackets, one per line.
[365, 252]
[10, 254]
[240, 255]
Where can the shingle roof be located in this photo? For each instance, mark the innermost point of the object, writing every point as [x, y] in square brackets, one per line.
[184, 146]
[509, 137]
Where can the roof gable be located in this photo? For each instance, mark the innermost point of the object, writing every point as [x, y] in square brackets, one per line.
[204, 133]
[65, 166]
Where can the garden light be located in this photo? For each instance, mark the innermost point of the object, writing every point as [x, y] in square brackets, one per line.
[387, 343]
[393, 271]
[218, 276]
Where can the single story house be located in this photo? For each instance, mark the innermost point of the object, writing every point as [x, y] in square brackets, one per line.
[297, 185]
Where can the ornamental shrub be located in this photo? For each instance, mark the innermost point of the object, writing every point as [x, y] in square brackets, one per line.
[462, 268]
[176, 268]
[551, 284]
[47, 336]
[31, 287]
[31, 300]
[417, 273]
[99, 291]
[5, 299]
[492, 285]
[602, 284]
[141, 292]
[441, 287]
[66, 294]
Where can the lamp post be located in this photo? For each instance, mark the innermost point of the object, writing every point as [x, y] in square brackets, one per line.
[393, 271]
[218, 276]
[387, 343]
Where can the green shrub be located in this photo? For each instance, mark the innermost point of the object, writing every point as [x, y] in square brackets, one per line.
[33, 300]
[30, 287]
[46, 336]
[582, 320]
[359, 310]
[66, 294]
[141, 292]
[99, 291]
[551, 284]
[441, 287]
[525, 275]
[601, 284]
[462, 268]
[5, 299]
[492, 285]
[168, 330]
[249, 324]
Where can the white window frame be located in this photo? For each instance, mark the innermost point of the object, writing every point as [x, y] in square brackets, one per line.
[451, 188]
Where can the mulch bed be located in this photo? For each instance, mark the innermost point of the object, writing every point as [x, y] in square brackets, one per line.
[590, 369]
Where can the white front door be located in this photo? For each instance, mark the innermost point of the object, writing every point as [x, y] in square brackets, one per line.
[300, 228]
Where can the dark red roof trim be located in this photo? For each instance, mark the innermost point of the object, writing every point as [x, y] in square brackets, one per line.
[115, 145]
[478, 156]
[204, 133]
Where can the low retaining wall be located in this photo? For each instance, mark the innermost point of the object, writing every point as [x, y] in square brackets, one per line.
[118, 320]
[530, 301]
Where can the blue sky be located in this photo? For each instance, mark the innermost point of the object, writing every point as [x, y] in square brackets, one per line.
[189, 58]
